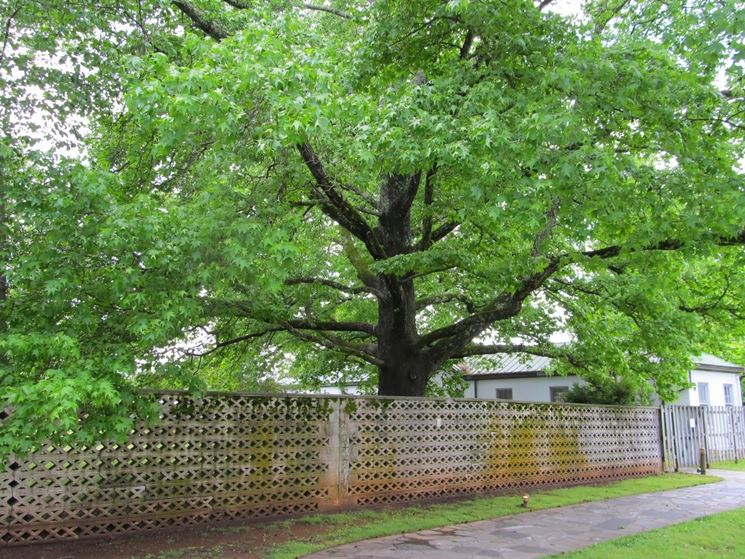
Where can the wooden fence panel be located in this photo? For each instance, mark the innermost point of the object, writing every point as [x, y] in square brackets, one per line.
[719, 430]
[229, 456]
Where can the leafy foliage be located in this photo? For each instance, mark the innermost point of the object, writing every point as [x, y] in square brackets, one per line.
[370, 190]
[605, 391]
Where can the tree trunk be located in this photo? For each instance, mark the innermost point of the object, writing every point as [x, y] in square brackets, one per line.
[403, 377]
[407, 369]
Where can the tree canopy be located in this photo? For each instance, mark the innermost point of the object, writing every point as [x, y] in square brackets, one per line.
[356, 189]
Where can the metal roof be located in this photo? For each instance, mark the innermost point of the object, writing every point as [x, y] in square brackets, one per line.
[524, 363]
[513, 363]
[707, 359]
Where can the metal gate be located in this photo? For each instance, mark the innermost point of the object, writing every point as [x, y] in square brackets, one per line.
[719, 430]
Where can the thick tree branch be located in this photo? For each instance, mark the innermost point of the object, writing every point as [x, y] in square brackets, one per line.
[728, 94]
[332, 342]
[668, 244]
[738, 239]
[575, 287]
[245, 309]
[717, 303]
[397, 193]
[427, 23]
[544, 3]
[210, 28]
[241, 5]
[364, 196]
[6, 30]
[334, 285]
[707, 308]
[233, 341]
[237, 4]
[300, 328]
[606, 17]
[412, 183]
[331, 326]
[450, 339]
[332, 11]
[429, 193]
[440, 233]
[467, 43]
[336, 206]
[545, 233]
[444, 230]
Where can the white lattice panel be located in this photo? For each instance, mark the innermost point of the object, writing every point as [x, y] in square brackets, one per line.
[217, 458]
[236, 456]
[405, 449]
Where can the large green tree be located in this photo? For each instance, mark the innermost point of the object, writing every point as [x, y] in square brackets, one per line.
[371, 189]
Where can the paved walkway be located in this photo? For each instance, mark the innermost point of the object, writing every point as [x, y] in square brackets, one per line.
[537, 534]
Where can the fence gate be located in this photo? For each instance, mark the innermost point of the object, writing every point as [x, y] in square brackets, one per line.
[719, 430]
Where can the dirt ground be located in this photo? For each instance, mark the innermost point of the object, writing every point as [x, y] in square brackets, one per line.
[235, 540]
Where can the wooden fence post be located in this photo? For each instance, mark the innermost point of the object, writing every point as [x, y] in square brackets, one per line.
[663, 437]
[702, 461]
[734, 433]
[703, 428]
[673, 424]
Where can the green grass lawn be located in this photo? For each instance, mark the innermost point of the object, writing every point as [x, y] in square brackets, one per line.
[355, 526]
[720, 536]
[740, 466]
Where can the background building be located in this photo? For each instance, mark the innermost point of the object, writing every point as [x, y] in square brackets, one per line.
[716, 382]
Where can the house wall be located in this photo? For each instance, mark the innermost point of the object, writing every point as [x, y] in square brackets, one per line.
[538, 389]
[683, 400]
[716, 383]
[535, 389]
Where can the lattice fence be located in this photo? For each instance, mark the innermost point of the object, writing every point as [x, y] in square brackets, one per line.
[231, 456]
[406, 449]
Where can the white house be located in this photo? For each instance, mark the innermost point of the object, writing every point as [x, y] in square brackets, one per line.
[716, 382]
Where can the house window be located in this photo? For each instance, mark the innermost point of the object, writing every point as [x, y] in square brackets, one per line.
[703, 393]
[558, 393]
[504, 393]
[729, 398]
